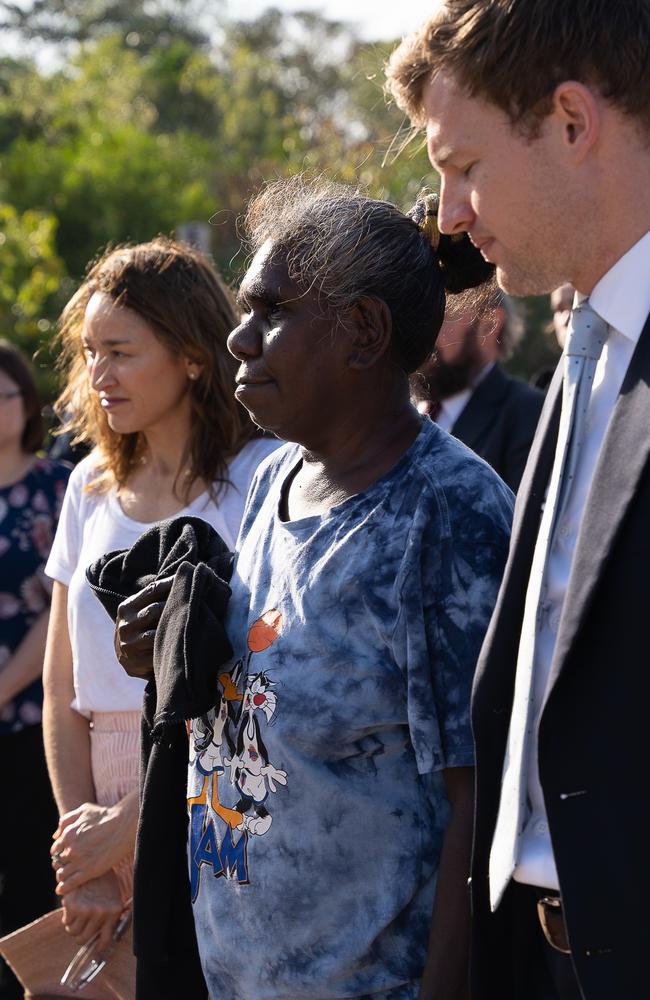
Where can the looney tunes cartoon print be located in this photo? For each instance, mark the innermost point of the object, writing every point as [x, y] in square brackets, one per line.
[227, 748]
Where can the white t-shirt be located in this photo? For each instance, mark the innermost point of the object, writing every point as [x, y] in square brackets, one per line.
[92, 524]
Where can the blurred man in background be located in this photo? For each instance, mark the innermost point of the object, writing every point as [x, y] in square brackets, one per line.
[561, 305]
[464, 388]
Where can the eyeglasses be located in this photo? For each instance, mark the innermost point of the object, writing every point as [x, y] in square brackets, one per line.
[89, 961]
[9, 395]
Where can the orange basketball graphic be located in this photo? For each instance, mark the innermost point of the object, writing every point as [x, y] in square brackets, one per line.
[264, 631]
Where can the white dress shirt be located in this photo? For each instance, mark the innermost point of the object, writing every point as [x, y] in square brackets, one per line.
[622, 299]
[452, 407]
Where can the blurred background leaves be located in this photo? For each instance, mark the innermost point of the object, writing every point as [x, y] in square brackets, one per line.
[145, 116]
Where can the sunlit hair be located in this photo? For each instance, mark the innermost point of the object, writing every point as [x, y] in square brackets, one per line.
[179, 293]
[514, 53]
[13, 364]
[513, 329]
[341, 245]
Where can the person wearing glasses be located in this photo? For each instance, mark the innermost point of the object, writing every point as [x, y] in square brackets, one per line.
[31, 493]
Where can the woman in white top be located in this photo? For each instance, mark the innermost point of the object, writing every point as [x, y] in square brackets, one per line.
[150, 384]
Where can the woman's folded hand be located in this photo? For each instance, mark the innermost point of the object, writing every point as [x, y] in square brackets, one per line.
[94, 908]
[91, 840]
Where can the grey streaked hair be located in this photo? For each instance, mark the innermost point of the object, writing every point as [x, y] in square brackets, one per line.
[341, 245]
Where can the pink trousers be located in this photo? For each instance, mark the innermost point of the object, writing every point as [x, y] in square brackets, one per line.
[115, 760]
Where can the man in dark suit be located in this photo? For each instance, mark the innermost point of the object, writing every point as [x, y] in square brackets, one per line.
[464, 388]
[538, 121]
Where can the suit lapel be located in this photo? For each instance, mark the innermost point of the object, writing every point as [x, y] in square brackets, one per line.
[473, 420]
[502, 639]
[621, 463]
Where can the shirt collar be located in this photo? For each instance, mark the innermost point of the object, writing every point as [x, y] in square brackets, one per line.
[454, 405]
[622, 296]
[484, 372]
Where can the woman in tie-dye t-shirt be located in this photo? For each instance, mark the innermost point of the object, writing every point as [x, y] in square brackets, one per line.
[330, 790]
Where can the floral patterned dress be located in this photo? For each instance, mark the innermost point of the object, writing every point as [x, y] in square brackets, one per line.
[29, 512]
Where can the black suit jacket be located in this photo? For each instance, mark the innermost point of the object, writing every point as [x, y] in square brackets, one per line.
[499, 423]
[592, 749]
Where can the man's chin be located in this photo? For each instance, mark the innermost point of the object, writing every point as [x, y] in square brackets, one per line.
[513, 282]
[517, 282]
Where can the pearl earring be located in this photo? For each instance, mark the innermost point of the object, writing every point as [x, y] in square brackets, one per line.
[193, 375]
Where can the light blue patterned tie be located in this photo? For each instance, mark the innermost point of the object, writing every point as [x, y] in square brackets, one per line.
[586, 337]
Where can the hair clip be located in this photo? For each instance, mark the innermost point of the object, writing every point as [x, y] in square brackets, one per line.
[425, 215]
[428, 218]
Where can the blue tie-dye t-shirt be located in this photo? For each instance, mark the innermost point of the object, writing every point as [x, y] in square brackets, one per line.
[316, 800]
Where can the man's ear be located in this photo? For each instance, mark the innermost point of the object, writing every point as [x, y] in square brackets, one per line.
[578, 111]
[370, 329]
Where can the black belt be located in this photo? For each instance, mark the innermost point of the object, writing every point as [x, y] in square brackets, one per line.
[551, 918]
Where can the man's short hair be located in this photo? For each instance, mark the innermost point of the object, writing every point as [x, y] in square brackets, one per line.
[514, 53]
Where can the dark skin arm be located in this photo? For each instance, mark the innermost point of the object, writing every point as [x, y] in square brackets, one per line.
[135, 628]
[446, 970]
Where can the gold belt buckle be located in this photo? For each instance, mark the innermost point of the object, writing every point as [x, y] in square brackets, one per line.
[549, 911]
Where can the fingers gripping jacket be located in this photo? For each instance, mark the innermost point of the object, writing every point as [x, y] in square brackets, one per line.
[185, 652]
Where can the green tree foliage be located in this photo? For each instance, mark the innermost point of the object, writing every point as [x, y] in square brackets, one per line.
[153, 114]
[121, 143]
[150, 23]
[91, 154]
[31, 277]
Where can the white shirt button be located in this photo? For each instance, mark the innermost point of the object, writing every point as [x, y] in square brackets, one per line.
[541, 828]
[563, 531]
